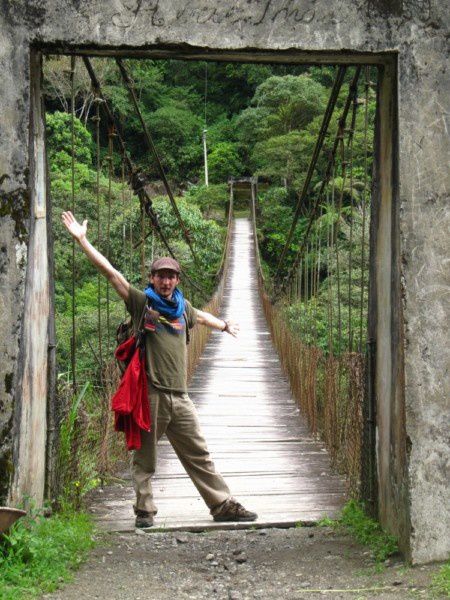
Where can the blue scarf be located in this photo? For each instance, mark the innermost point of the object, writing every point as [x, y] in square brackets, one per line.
[172, 309]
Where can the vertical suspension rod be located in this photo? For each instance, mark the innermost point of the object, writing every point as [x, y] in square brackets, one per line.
[350, 253]
[108, 235]
[134, 177]
[363, 195]
[72, 186]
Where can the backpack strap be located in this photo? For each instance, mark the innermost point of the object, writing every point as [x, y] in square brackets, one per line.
[188, 333]
[141, 320]
[140, 333]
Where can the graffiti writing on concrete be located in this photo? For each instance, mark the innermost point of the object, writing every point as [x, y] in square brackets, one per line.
[251, 12]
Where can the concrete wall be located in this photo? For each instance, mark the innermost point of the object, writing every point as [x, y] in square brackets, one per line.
[413, 398]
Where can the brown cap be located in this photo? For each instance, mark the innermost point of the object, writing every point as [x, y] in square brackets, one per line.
[165, 263]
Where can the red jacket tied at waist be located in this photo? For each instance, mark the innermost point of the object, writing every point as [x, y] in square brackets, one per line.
[131, 403]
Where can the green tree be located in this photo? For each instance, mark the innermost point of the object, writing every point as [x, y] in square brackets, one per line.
[177, 134]
[59, 138]
[278, 157]
[224, 162]
[292, 100]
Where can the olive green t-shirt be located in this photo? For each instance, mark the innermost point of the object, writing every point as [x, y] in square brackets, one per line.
[165, 343]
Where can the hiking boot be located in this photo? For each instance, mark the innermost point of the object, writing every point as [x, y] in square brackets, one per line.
[143, 519]
[231, 510]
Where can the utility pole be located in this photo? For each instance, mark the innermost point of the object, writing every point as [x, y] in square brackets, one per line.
[205, 155]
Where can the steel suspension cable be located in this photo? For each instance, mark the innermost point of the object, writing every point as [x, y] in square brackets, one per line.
[345, 175]
[313, 212]
[330, 254]
[130, 87]
[319, 259]
[338, 219]
[142, 246]
[312, 165]
[136, 178]
[124, 223]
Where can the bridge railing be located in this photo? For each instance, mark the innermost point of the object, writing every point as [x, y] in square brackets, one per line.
[328, 389]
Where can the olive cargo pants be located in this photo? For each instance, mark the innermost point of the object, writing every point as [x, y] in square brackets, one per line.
[175, 415]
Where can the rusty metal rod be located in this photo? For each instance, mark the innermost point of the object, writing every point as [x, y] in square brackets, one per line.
[312, 165]
[130, 87]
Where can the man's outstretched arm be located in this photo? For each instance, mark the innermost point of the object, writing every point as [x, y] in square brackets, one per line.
[78, 232]
[205, 318]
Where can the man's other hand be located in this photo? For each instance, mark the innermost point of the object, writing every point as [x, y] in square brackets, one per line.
[232, 328]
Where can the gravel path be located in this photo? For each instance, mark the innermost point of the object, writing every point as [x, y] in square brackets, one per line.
[277, 564]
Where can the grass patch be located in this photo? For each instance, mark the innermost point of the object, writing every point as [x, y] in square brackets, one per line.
[327, 522]
[368, 531]
[441, 581]
[38, 553]
[365, 530]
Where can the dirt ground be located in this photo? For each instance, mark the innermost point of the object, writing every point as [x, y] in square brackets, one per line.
[304, 563]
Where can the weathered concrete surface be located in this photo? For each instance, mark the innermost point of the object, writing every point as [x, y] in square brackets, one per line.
[417, 30]
[425, 223]
[14, 220]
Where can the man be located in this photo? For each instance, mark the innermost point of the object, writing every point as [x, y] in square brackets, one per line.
[172, 411]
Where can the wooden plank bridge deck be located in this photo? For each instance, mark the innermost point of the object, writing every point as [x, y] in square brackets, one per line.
[256, 436]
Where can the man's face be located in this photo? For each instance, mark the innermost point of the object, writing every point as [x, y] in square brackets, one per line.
[164, 282]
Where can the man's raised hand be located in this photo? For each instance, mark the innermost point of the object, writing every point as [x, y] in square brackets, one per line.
[78, 232]
[73, 227]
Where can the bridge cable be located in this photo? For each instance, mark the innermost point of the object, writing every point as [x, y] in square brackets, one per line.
[109, 159]
[330, 203]
[350, 253]
[132, 93]
[315, 251]
[312, 165]
[313, 211]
